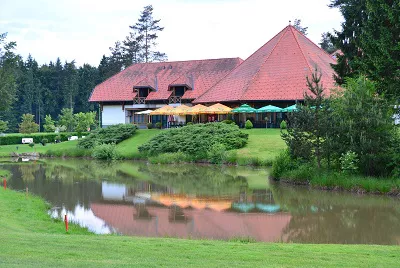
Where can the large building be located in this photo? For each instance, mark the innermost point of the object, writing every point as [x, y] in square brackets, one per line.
[274, 74]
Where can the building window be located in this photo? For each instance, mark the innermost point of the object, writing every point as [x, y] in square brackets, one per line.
[139, 118]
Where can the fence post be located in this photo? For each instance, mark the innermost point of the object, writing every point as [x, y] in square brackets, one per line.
[66, 222]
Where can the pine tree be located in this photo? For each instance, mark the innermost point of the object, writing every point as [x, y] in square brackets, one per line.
[8, 65]
[308, 127]
[297, 25]
[369, 40]
[88, 78]
[133, 49]
[326, 43]
[148, 28]
[70, 84]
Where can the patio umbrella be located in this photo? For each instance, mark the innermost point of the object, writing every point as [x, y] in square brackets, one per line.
[290, 109]
[217, 108]
[180, 110]
[245, 108]
[165, 110]
[197, 109]
[145, 112]
[269, 109]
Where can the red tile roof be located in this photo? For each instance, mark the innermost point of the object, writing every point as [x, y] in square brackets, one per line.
[203, 73]
[276, 71]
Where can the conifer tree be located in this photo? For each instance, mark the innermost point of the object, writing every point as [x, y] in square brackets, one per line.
[8, 65]
[147, 29]
[299, 27]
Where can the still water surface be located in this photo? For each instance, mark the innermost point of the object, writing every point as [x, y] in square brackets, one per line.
[208, 202]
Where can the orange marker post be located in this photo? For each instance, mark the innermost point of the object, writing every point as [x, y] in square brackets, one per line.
[5, 183]
[66, 222]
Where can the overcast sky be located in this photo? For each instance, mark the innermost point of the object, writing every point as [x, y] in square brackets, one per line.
[83, 30]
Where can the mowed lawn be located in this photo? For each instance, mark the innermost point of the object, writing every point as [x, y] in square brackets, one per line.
[6, 150]
[262, 147]
[30, 238]
[264, 144]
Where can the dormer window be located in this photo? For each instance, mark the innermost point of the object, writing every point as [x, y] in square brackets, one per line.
[141, 95]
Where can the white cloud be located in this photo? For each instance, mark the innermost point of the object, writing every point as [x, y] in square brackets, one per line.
[84, 30]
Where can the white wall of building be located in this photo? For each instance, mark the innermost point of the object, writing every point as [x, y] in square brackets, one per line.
[112, 115]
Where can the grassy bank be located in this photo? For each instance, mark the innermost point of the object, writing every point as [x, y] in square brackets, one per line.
[262, 147]
[291, 171]
[4, 173]
[29, 238]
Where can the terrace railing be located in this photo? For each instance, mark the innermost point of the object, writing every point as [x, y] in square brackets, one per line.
[139, 100]
[175, 99]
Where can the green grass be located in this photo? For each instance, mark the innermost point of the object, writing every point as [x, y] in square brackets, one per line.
[128, 149]
[29, 238]
[4, 173]
[6, 150]
[262, 148]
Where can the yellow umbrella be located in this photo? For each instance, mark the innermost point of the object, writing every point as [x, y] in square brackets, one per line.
[180, 110]
[217, 109]
[197, 109]
[165, 110]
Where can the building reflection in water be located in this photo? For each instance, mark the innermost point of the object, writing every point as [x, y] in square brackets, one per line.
[135, 211]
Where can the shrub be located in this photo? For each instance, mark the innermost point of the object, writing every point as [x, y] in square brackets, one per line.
[217, 153]
[248, 124]
[159, 125]
[149, 125]
[10, 139]
[348, 162]
[283, 125]
[228, 121]
[195, 140]
[31, 144]
[282, 164]
[112, 134]
[189, 123]
[44, 141]
[105, 152]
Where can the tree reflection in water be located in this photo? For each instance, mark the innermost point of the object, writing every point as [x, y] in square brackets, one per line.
[330, 217]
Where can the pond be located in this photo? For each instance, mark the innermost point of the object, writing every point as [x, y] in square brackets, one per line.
[203, 202]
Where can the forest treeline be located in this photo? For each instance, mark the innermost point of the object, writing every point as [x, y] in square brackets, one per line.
[27, 87]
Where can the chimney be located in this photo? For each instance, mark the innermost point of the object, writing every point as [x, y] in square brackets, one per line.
[191, 80]
[156, 83]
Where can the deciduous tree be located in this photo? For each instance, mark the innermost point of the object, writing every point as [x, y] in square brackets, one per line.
[28, 125]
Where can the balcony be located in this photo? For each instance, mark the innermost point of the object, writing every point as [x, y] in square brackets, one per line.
[175, 99]
[139, 100]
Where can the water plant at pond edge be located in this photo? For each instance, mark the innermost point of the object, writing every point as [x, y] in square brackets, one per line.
[197, 141]
[300, 172]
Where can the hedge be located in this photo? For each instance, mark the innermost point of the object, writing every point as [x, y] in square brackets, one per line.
[10, 139]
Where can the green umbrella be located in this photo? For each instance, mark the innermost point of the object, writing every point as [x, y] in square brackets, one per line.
[269, 109]
[244, 109]
[290, 109]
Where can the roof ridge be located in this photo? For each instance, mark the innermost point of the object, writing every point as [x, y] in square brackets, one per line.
[166, 62]
[305, 36]
[298, 44]
[258, 71]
